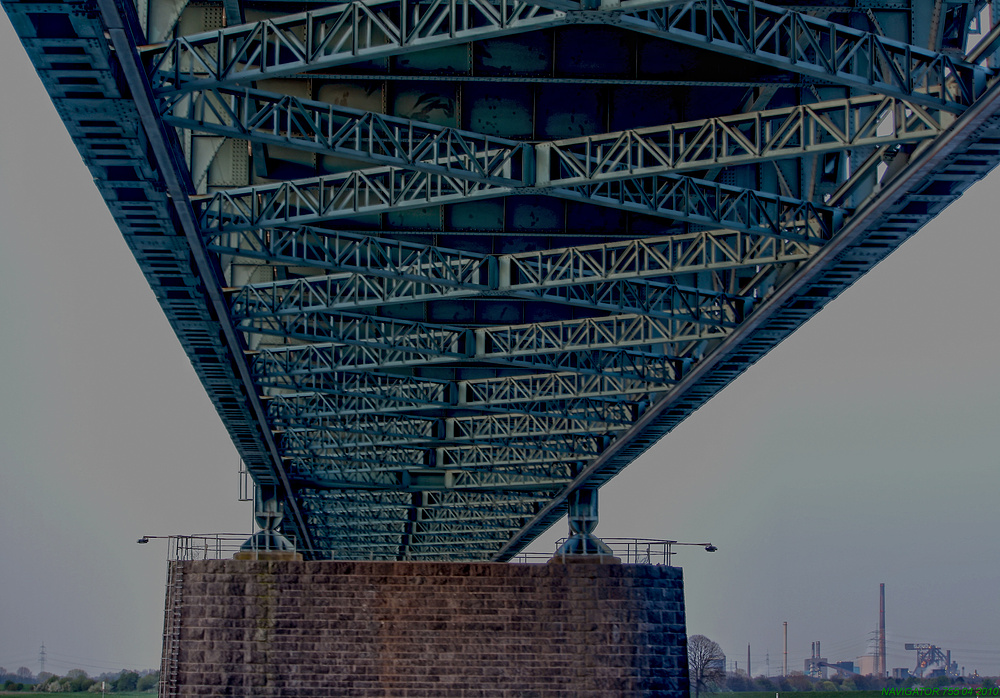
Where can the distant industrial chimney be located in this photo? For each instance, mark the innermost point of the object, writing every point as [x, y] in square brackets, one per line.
[881, 630]
[784, 668]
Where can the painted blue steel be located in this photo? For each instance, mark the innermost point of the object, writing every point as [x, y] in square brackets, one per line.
[429, 315]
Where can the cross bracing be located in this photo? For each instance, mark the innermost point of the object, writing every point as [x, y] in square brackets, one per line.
[367, 136]
[379, 429]
[384, 343]
[430, 269]
[346, 293]
[736, 139]
[497, 481]
[292, 411]
[653, 368]
[739, 139]
[419, 449]
[441, 263]
[361, 30]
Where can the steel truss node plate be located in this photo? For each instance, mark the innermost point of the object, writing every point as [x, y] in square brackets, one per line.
[440, 264]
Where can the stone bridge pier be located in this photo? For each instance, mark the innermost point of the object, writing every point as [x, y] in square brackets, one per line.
[288, 628]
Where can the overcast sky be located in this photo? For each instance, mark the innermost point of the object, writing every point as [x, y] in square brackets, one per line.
[862, 450]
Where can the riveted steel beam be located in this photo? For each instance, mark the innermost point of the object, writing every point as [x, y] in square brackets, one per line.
[162, 149]
[654, 256]
[512, 390]
[485, 536]
[287, 415]
[339, 251]
[653, 368]
[532, 395]
[346, 292]
[359, 430]
[520, 451]
[346, 431]
[355, 31]
[425, 272]
[704, 202]
[446, 504]
[739, 139]
[328, 129]
[309, 368]
[379, 139]
[441, 342]
[329, 197]
[756, 31]
[294, 410]
[809, 45]
[417, 481]
[290, 370]
[445, 529]
[403, 343]
[353, 405]
[338, 526]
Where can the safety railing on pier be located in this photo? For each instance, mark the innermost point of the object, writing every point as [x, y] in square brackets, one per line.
[217, 546]
[635, 551]
[207, 546]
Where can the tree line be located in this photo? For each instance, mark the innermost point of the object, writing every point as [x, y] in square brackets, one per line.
[77, 681]
[707, 673]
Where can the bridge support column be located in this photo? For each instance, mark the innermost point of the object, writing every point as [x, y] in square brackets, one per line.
[268, 543]
[582, 545]
[256, 628]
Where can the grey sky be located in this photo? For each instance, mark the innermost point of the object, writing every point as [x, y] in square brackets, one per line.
[862, 450]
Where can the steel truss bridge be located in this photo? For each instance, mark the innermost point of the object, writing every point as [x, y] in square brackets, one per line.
[446, 266]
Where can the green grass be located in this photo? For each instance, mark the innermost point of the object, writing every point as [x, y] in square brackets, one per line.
[27, 694]
[801, 694]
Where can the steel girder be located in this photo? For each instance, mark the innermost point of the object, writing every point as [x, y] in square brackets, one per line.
[295, 410]
[346, 293]
[385, 342]
[754, 31]
[808, 45]
[466, 268]
[531, 393]
[285, 120]
[740, 139]
[394, 430]
[346, 33]
[680, 198]
[653, 368]
[731, 209]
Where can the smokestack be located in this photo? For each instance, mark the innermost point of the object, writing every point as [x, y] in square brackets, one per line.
[748, 661]
[784, 668]
[818, 653]
[881, 630]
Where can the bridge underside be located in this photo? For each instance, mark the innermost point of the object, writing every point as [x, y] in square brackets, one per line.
[440, 264]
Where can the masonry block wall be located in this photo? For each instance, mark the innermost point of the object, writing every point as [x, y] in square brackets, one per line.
[331, 628]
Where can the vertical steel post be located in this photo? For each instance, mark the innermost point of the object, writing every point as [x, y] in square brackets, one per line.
[583, 518]
[784, 669]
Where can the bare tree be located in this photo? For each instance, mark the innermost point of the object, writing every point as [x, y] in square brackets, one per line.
[706, 663]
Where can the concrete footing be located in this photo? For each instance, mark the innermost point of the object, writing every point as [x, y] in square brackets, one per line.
[331, 628]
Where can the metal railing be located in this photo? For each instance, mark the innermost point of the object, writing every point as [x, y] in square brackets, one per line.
[207, 546]
[632, 551]
[218, 546]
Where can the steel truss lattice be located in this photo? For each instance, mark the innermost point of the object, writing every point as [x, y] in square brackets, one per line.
[442, 263]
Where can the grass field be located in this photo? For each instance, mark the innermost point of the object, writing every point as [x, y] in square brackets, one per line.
[747, 694]
[811, 694]
[133, 694]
